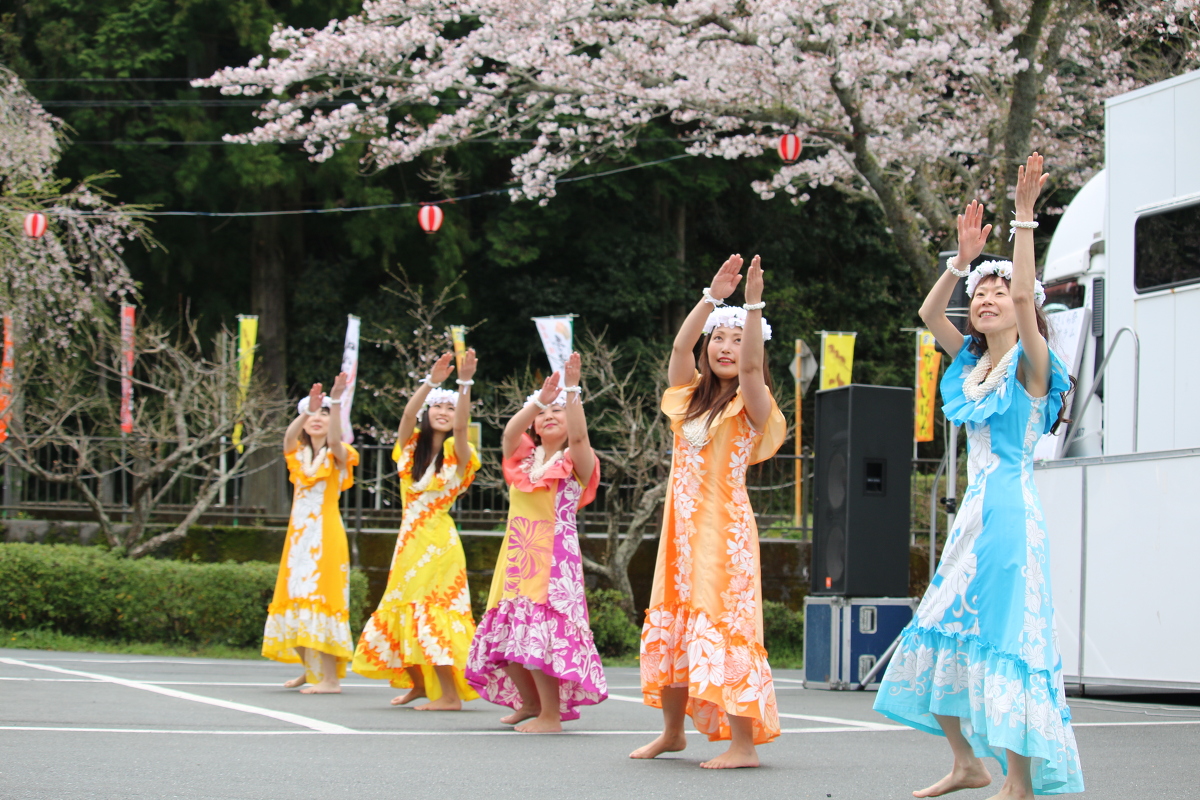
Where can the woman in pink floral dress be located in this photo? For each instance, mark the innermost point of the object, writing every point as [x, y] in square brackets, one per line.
[533, 649]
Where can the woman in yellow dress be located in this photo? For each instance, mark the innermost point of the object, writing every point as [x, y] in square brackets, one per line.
[419, 636]
[308, 621]
[702, 648]
[533, 651]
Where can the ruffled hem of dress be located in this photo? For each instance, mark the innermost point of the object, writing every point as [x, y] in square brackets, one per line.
[1004, 703]
[519, 631]
[311, 628]
[406, 635]
[959, 409]
[681, 645]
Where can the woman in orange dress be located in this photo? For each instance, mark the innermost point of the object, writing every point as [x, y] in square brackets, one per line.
[533, 650]
[308, 621]
[702, 648]
[419, 636]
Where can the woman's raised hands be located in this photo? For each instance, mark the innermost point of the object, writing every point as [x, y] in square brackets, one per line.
[572, 369]
[467, 371]
[339, 386]
[972, 234]
[549, 389]
[727, 278]
[442, 368]
[315, 396]
[754, 281]
[1030, 180]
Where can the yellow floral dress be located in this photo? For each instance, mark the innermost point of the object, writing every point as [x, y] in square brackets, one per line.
[424, 619]
[704, 628]
[311, 606]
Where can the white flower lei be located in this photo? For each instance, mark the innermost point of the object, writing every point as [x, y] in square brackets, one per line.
[539, 464]
[984, 379]
[1004, 270]
[732, 317]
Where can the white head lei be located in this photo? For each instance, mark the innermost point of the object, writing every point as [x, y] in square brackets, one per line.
[732, 317]
[1002, 269]
[436, 396]
[302, 406]
[561, 400]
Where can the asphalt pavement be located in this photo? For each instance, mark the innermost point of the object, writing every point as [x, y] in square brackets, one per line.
[80, 725]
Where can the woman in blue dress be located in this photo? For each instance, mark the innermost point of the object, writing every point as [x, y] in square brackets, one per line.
[979, 663]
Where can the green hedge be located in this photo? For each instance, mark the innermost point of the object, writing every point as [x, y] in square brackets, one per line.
[87, 591]
[783, 631]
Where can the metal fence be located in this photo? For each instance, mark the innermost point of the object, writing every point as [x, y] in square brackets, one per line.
[373, 504]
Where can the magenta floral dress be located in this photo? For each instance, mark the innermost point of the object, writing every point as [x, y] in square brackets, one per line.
[537, 614]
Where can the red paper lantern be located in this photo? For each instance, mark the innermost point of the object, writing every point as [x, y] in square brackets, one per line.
[789, 148]
[430, 218]
[35, 224]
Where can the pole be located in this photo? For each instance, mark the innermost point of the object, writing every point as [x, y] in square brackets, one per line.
[951, 478]
[799, 513]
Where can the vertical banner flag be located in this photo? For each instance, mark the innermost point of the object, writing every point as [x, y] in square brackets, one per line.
[929, 361]
[247, 338]
[458, 335]
[6, 378]
[350, 367]
[837, 358]
[557, 334]
[127, 317]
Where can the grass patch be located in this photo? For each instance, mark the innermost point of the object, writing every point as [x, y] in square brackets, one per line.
[43, 639]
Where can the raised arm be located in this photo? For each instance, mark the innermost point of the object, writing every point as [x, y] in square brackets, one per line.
[333, 438]
[582, 455]
[408, 420]
[462, 411]
[682, 366]
[755, 394]
[523, 419]
[1035, 354]
[291, 437]
[972, 236]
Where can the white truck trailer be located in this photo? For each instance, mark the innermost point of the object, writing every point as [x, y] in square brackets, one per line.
[1122, 499]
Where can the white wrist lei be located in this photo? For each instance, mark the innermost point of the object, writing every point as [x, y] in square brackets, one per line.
[960, 273]
[755, 306]
[573, 389]
[302, 407]
[335, 401]
[1012, 227]
[708, 298]
[461, 382]
[540, 404]
[428, 381]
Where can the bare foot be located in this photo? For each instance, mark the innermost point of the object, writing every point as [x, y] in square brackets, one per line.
[294, 682]
[663, 744]
[539, 725]
[324, 687]
[441, 704]
[414, 693]
[974, 776]
[733, 759]
[522, 713]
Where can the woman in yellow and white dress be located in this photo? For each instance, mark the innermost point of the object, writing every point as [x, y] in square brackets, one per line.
[308, 621]
[419, 637]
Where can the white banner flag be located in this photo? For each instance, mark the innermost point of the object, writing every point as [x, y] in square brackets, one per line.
[557, 335]
[350, 367]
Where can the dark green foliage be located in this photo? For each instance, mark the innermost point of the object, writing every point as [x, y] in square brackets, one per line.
[88, 591]
[612, 631]
[783, 630]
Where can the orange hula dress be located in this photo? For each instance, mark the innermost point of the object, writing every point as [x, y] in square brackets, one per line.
[311, 606]
[704, 627]
[424, 619]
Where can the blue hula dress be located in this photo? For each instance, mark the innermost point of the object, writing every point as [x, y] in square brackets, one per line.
[982, 646]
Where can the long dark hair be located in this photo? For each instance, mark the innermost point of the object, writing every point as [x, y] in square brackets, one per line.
[978, 345]
[709, 398]
[423, 453]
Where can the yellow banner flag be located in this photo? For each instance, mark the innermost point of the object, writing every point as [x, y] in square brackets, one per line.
[458, 335]
[929, 362]
[837, 359]
[247, 336]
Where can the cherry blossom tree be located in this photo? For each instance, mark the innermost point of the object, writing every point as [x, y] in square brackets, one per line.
[915, 105]
[54, 283]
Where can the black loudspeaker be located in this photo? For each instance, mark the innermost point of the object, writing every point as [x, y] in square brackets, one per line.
[862, 498]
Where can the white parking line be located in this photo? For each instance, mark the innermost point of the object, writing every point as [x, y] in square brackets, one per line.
[854, 723]
[282, 716]
[506, 732]
[276, 685]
